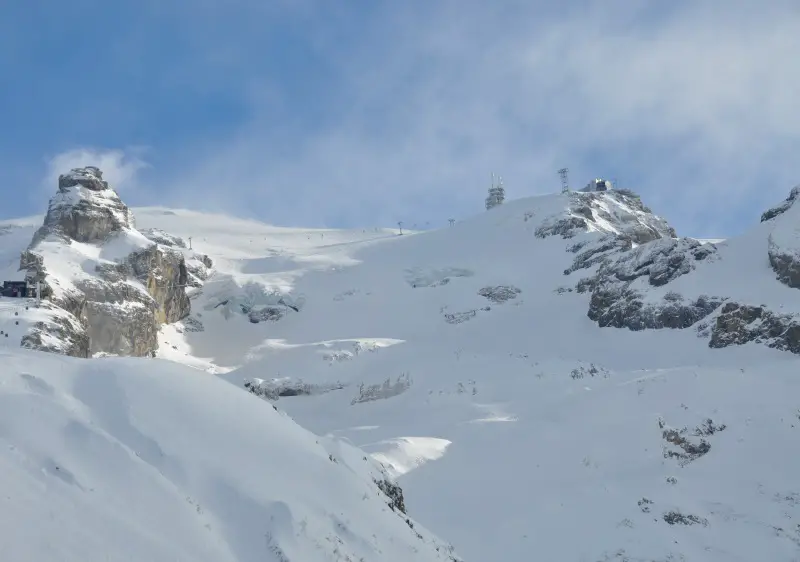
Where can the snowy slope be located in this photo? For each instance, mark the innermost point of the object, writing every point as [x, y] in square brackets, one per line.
[463, 360]
[134, 459]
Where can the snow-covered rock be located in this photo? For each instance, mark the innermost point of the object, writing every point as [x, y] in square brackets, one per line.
[616, 211]
[116, 284]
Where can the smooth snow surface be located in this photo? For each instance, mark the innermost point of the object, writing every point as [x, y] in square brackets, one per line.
[118, 460]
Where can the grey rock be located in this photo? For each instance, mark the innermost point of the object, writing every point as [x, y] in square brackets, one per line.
[89, 177]
[164, 274]
[192, 324]
[107, 313]
[62, 333]
[129, 330]
[566, 228]
[738, 324]
[500, 293]
[199, 270]
[629, 218]
[163, 238]
[661, 260]
[621, 307]
[601, 252]
[783, 207]
[84, 216]
[266, 314]
[786, 264]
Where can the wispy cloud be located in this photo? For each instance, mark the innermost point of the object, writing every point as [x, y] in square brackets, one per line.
[121, 168]
[318, 113]
[693, 106]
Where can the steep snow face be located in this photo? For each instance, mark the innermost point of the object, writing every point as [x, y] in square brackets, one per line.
[119, 460]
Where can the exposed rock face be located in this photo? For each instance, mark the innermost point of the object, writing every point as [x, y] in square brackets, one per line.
[121, 329]
[739, 324]
[784, 240]
[163, 238]
[613, 212]
[113, 304]
[619, 262]
[626, 308]
[64, 333]
[786, 264]
[85, 209]
[163, 272]
[624, 269]
[770, 214]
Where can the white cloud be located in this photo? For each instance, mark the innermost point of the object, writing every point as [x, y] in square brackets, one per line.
[121, 168]
[690, 104]
[684, 105]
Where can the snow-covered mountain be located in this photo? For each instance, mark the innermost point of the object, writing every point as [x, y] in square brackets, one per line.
[559, 378]
[132, 459]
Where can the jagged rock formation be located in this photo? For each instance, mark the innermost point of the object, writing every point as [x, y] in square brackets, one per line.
[739, 324]
[615, 211]
[770, 214]
[85, 209]
[784, 241]
[637, 251]
[198, 267]
[109, 286]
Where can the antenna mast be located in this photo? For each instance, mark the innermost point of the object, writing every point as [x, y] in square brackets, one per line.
[564, 183]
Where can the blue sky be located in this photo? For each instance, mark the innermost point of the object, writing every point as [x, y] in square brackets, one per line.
[311, 112]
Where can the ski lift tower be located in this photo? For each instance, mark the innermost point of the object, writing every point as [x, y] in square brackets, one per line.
[564, 183]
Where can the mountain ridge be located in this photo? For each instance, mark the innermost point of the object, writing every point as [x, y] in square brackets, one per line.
[561, 376]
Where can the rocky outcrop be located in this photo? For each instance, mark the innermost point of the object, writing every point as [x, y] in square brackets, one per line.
[738, 324]
[612, 212]
[163, 272]
[163, 238]
[783, 247]
[62, 333]
[785, 264]
[660, 261]
[619, 307]
[128, 329]
[85, 209]
[635, 250]
[783, 207]
[111, 305]
[618, 262]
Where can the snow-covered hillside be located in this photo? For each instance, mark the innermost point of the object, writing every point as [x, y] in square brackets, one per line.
[560, 378]
[467, 360]
[133, 459]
